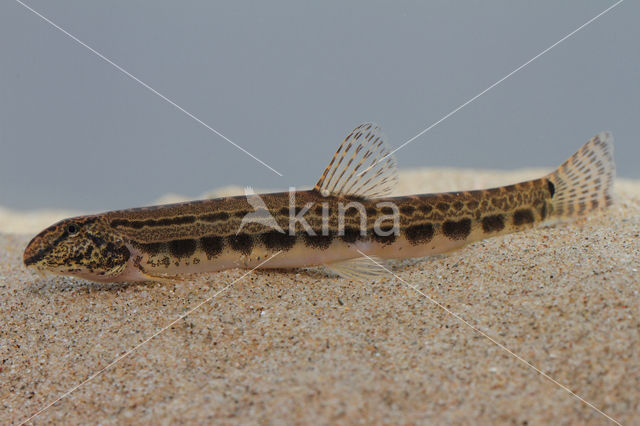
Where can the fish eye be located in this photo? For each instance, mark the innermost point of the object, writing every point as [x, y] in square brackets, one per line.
[72, 228]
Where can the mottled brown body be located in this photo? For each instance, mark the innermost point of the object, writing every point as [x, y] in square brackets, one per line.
[325, 226]
[186, 237]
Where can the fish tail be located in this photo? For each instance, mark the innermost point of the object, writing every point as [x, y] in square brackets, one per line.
[584, 182]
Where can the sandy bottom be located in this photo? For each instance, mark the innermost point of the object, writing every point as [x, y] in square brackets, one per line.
[301, 347]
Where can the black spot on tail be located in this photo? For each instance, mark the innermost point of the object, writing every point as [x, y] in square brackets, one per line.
[182, 248]
[241, 242]
[457, 230]
[421, 233]
[522, 217]
[493, 223]
[212, 246]
[278, 240]
[552, 187]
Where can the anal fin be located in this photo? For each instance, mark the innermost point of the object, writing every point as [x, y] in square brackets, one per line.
[360, 268]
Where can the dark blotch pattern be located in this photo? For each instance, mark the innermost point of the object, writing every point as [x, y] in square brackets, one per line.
[494, 223]
[552, 188]
[212, 246]
[420, 233]
[167, 221]
[318, 241]
[351, 235]
[408, 210]
[472, 205]
[352, 212]
[215, 217]
[152, 248]
[442, 206]
[97, 240]
[278, 240]
[241, 242]
[182, 248]
[119, 222]
[457, 230]
[522, 217]
[385, 229]
[298, 209]
[121, 252]
[384, 239]
[387, 210]
[543, 211]
[425, 208]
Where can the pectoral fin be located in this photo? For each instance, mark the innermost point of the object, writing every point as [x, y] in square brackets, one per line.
[165, 279]
[360, 268]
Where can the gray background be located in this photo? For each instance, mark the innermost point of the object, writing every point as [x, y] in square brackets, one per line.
[288, 80]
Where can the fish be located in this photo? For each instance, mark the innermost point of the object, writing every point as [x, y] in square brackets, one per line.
[348, 222]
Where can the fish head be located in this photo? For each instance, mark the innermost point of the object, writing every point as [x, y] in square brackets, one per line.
[83, 246]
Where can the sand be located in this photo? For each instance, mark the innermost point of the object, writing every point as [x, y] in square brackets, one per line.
[303, 347]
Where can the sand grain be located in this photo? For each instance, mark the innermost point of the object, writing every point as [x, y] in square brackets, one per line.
[303, 347]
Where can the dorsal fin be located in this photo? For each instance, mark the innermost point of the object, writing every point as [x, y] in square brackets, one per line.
[362, 166]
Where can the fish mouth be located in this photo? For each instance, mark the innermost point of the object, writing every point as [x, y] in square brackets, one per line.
[33, 257]
[31, 260]
[35, 251]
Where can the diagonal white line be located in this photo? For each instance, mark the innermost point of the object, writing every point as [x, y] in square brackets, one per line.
[130, 351]
[458, 108]
[145, 85]
[500, 345]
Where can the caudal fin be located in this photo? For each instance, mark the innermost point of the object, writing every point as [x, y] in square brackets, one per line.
[585, 181]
